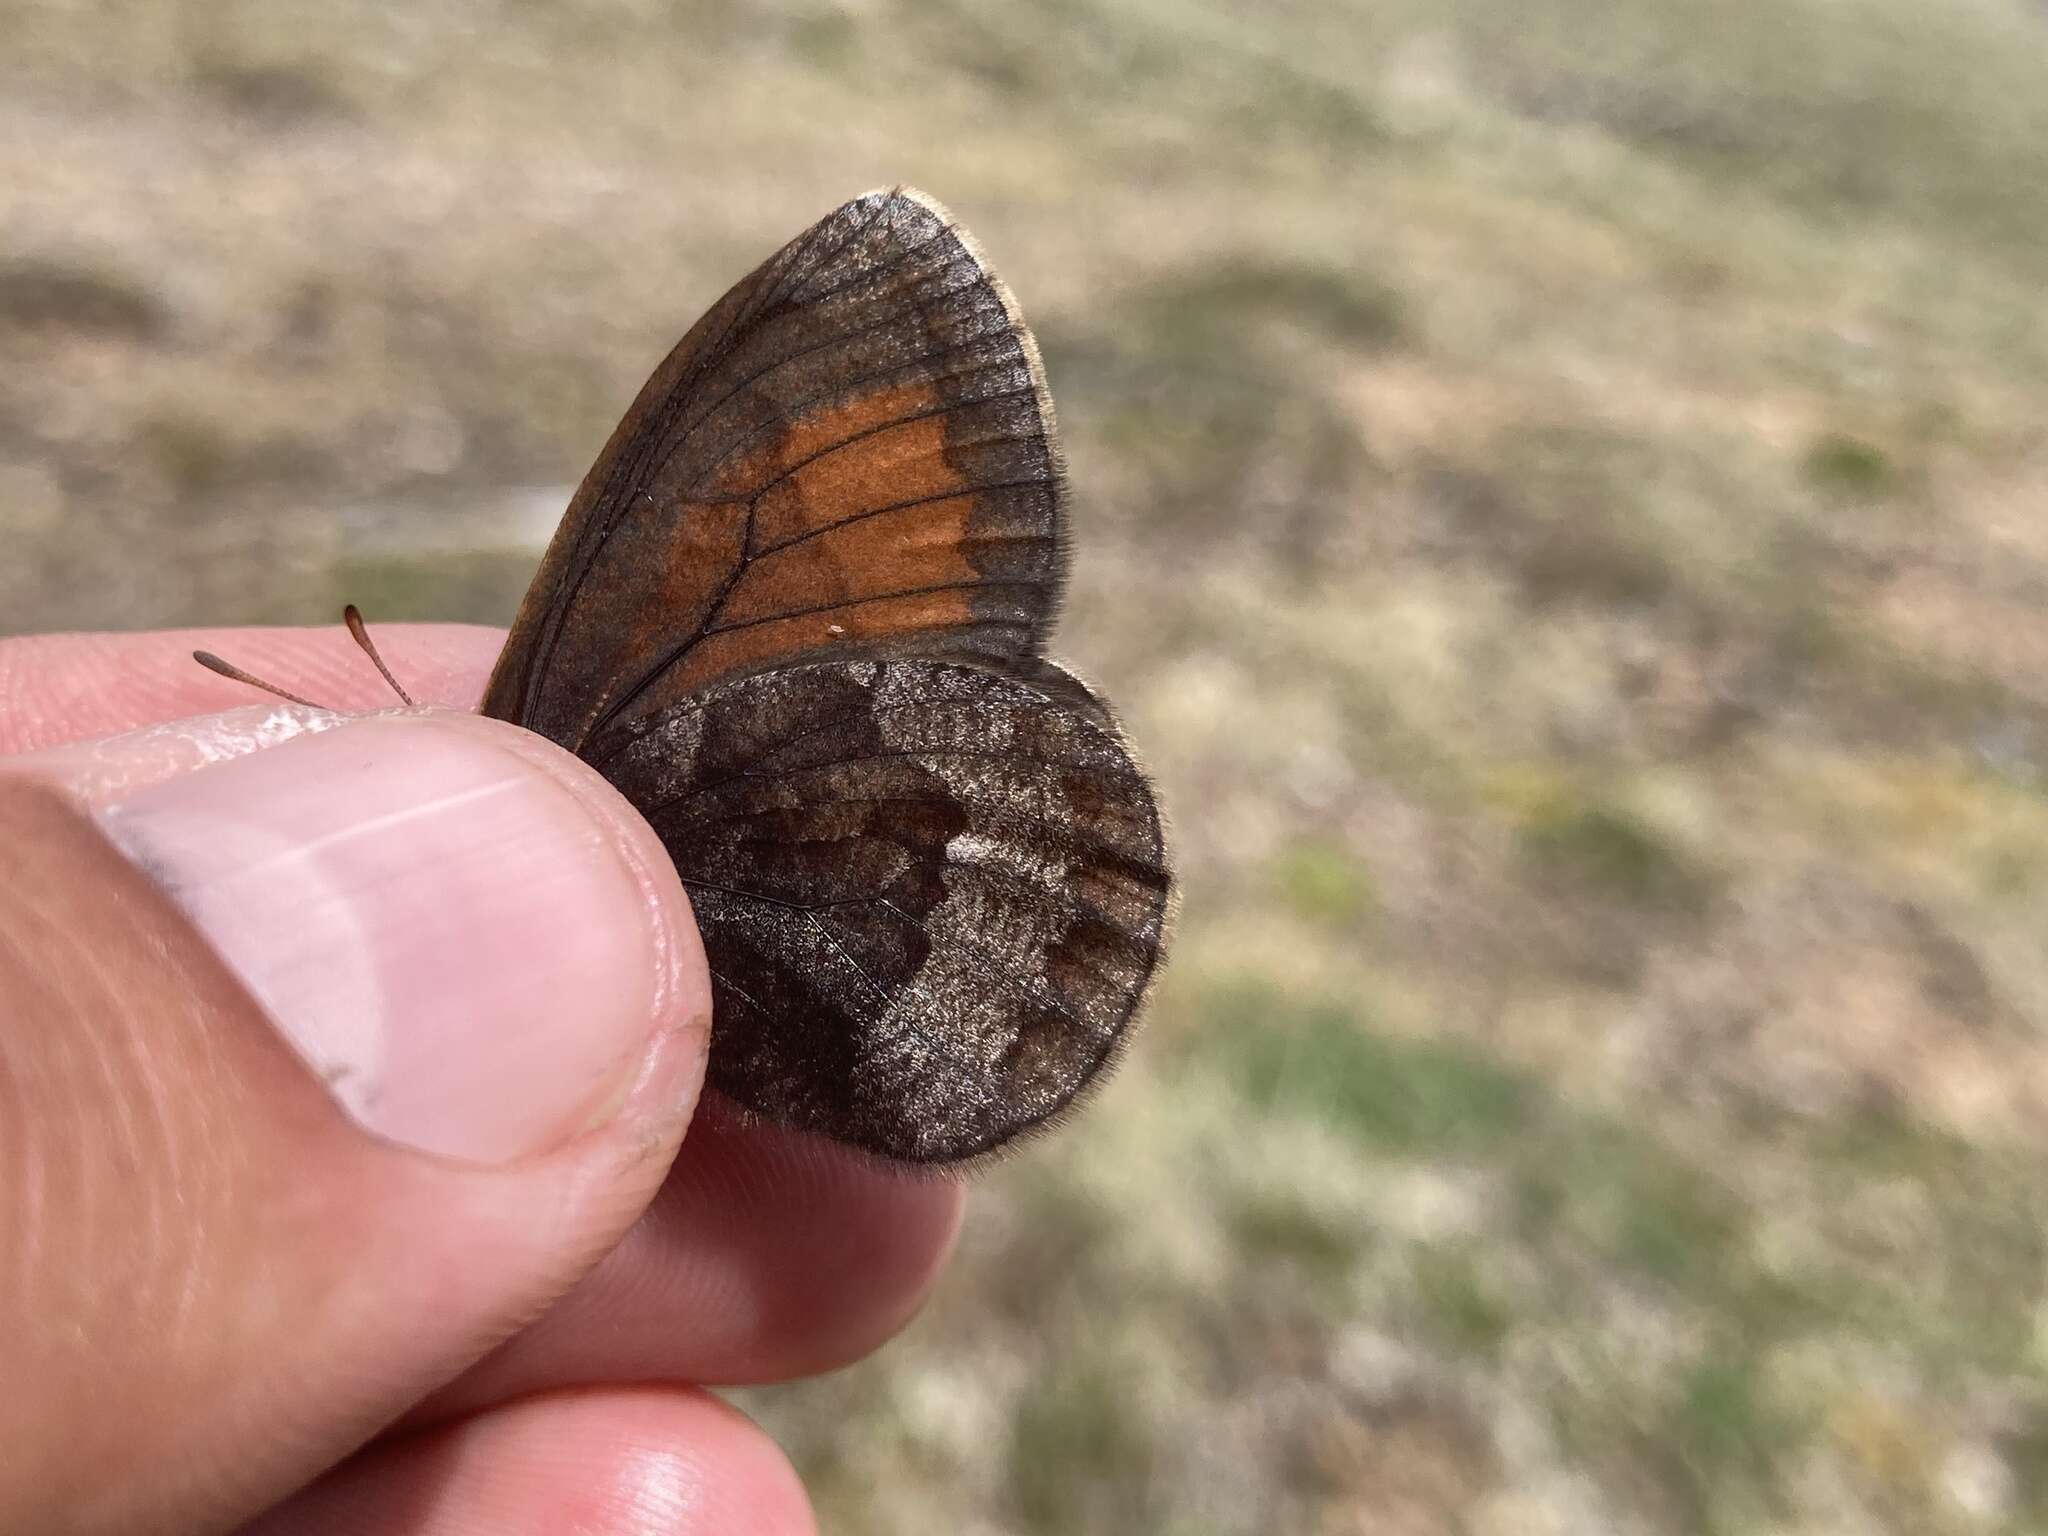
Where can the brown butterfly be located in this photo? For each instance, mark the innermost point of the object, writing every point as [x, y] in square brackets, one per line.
[796, 613]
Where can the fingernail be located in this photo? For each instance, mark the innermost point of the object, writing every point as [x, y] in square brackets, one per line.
[465, 941]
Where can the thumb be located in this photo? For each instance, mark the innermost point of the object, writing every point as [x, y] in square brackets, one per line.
[324, 1065]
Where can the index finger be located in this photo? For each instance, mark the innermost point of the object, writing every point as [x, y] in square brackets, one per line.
[59, 689]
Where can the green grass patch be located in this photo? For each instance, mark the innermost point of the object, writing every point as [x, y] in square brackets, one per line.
[47, 296]
[1867, 113]
[1723, 1448]
[1193, 314]
[1201, 393]
[1721, 1417]
[1065, 1241]
[1608, 852]
[199, 458]
[1266, 1228]
[1324, 884]
[2025, 1449]
[1966, 1295]
[1320, 1059]
[1590, 1185]
[1459, 1309]
[475, 587]
[1579, 1181]
[1848, 466]
[195, 457]
[1574, 514]
[275, 93]
[1079, 1457]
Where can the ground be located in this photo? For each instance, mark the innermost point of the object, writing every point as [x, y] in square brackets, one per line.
[1559, 499]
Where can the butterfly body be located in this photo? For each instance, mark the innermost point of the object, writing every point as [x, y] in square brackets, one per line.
[796, 614]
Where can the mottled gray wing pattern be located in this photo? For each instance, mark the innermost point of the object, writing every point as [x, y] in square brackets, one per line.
[931, 891]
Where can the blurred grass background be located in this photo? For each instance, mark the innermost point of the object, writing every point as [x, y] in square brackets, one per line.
[1560, 499]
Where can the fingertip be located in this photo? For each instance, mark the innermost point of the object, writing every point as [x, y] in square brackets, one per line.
[855, 1251]
[683, 995]
[421, 901]
[767, 1256]
[670, 1460]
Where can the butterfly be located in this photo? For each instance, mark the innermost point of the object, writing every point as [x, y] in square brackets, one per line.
[796, 613]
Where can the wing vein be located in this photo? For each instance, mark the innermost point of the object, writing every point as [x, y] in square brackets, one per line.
[695, 498]
[895, 506]
[860, 602]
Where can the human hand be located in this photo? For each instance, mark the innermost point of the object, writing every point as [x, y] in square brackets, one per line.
[419, 1286]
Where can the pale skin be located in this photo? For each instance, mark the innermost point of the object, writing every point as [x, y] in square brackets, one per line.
[224, 1305]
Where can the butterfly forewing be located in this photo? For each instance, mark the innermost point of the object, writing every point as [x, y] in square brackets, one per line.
[931, 893]
[852, 452]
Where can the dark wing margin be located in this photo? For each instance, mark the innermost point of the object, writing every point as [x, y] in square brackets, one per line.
[852, 452]
[932, 892]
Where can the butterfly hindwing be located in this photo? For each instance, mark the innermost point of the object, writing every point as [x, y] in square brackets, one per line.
[852, 452]
[931, 891]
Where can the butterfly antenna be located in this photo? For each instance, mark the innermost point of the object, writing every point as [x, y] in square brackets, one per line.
[353, 618]
[228, 669]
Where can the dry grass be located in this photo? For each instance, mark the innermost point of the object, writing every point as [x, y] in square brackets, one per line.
[1560, 501]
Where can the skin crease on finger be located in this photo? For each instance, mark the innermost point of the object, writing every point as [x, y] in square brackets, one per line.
[766, 1255]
